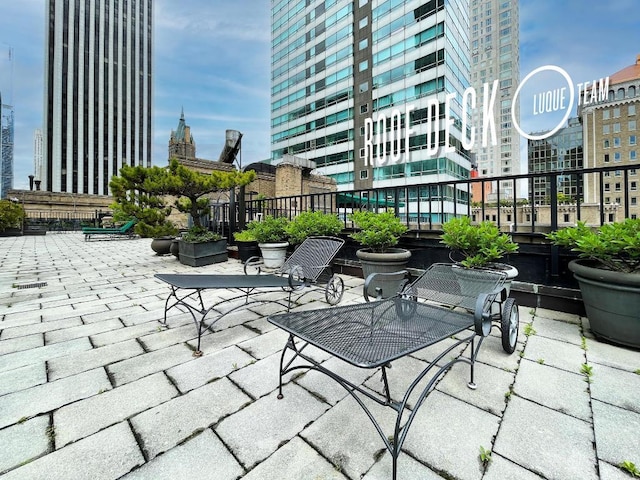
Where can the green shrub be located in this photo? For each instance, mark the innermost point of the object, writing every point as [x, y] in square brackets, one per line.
[309, 224]
[244, 236]
[270, 229]
[378, 231]
[199, 234]
[616, 246]
[11, 215]
[479, 244]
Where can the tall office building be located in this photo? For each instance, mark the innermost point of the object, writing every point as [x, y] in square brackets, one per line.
[354, 81]
[495, 47]
[611, 138]
[98, 92]
[6, 148]
[38, 155]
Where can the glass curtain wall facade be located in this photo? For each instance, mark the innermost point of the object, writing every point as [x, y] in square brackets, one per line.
[495, 47]
[98, 92]
[338, 64]
[6, 148]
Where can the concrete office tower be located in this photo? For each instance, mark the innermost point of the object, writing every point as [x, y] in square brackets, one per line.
[495, 46]
[98, 92]
[38, 155]
[6, 148]
[611, 138]
[339, 67]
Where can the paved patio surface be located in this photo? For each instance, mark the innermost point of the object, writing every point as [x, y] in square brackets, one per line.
[92, 386]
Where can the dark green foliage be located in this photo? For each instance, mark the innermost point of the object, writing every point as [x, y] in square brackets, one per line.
[200, 235]
[479, 244]
[270, 230]
[616, 246]
[378, 231]
[11, 215]
[309, 224]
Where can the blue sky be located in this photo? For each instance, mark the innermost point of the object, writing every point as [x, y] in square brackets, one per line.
[212, 57]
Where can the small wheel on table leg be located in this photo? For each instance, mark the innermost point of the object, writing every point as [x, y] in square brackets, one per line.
[509, 324]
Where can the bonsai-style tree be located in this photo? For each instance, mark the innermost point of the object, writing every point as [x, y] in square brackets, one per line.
[11, 215]
[191, 187]
[138, 193]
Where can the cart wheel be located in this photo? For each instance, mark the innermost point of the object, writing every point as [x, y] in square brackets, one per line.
[509, 325]
[334, 290]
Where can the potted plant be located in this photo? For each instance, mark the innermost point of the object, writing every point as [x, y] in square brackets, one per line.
[247, 245]
[479, 246]
[608, 273]
[11, 218]
[199, 246]
[379, 233]
[271, 235]
[311, 224]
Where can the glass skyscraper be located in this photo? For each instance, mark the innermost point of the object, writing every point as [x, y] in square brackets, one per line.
[6, 148]
[98, 92]
[371, 90]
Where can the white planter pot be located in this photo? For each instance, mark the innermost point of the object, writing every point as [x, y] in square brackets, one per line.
[273, 254]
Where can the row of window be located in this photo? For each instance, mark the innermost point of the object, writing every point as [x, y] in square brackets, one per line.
[606, 143]
[606, 113]
[617, 156]
[606, 129]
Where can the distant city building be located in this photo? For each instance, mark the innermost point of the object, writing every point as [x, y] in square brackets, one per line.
[38, 155]
[561, 151]
[6, 148]
[181, 143]
[611, 138]
[495, 55]
[98, 92]
[345, 70]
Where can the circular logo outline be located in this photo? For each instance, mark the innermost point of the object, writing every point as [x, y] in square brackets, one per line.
[566, 76]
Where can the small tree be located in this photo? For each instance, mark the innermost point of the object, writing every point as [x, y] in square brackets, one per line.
[138, 193]
[11, 215]
[191, 187]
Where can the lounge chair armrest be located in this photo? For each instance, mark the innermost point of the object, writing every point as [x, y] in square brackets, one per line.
[398, 277]
[252, 266]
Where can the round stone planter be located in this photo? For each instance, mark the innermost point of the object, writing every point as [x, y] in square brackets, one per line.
[175, 247]
[393, 260]
[161, 245]
[274, 254]
[611, 300]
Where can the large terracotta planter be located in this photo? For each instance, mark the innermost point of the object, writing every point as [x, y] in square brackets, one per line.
[204, 253]
[393, 260]
[611, 300]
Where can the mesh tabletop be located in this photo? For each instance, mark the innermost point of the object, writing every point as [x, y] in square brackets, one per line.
[199, 281]
[372, 334]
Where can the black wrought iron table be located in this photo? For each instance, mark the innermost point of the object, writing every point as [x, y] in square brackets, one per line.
[372, 335]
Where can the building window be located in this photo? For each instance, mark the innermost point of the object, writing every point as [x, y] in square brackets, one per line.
[606, 143]
[632, 110]
[364, 174]
[362, 153]
[617, 157]
[618, 187]
[363, 66]
[633, 185]
[363, 22]
[632, 139]
[611, 217]
[616, 127]
[566, 218]
[605, 129]
[607, 187]
[361, 3]
[633, 155]
[633, 171]
[363, 44]
[364, 87]
[362, 131]
[616, 112]
[607, 200]
[605, 114]
[632, 125]
[607, 174]
[364, 108]
[606, 158]
[616, 141]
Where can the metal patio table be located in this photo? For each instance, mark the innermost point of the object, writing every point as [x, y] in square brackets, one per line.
[372, 335]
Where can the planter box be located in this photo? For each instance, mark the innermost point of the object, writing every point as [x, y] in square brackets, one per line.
[200, 254]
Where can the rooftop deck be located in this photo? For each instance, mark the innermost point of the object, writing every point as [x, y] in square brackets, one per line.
[92, 386]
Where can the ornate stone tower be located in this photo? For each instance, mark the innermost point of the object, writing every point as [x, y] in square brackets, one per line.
[181, 144]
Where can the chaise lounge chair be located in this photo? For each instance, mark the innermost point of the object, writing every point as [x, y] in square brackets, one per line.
[125, 230]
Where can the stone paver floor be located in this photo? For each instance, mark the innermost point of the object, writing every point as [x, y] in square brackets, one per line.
[92, 386]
